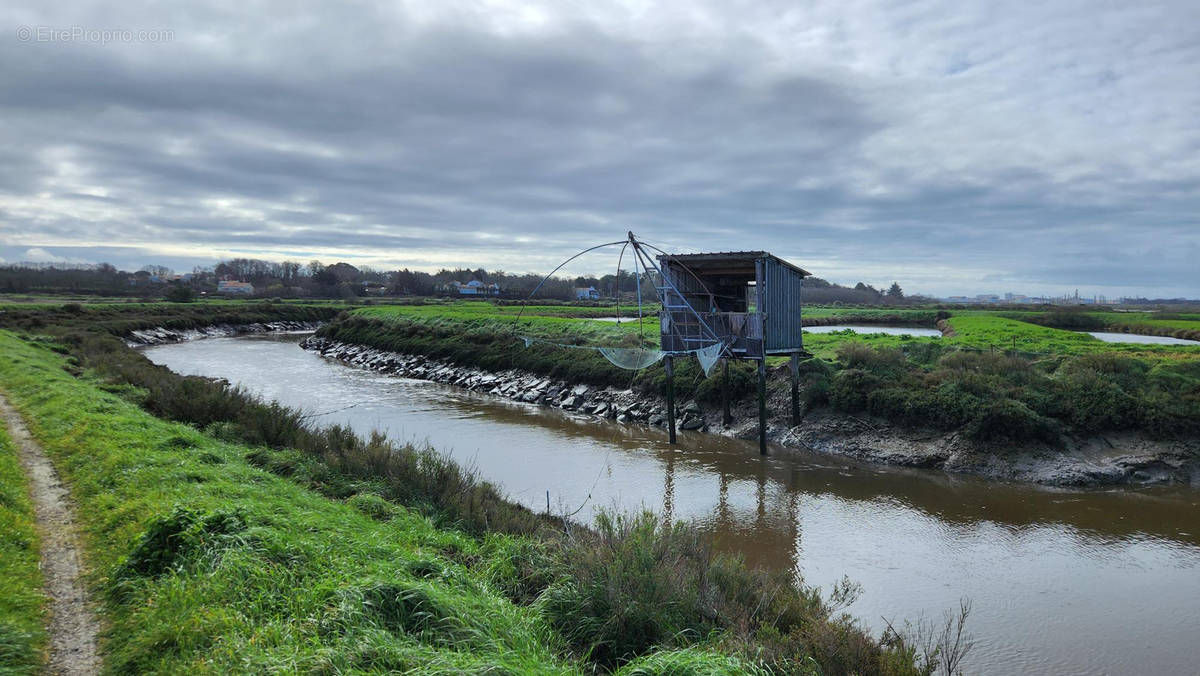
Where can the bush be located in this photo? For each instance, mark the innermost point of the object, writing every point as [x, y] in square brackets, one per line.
[1069, 320]
[180, 293]
[636, 585]
[1093, 402]
[850, 389]
[1008, 419]
[881, 361]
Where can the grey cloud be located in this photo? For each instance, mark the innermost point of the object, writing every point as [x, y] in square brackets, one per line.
[399, 137]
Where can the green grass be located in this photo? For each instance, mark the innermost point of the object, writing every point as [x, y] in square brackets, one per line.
[981, 330]
[288, 581]
[22, 603]
[120, 319]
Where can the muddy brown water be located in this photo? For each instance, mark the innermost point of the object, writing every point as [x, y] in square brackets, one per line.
[1062, 582]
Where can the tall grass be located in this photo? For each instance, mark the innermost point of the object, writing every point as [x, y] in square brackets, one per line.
[635, 583]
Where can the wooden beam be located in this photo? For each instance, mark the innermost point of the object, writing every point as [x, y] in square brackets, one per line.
[669, 364]
[795, 389]
[726, 416]
[762, 406]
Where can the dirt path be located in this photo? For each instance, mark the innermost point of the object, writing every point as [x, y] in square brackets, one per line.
[73, 628]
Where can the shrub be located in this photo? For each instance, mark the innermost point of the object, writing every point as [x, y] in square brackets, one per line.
[1093, 402]
[637, 584]
[1071, 321]
[882, 361]
[1164, 415]
[1009, 419]
[180, 293]
[850, 389]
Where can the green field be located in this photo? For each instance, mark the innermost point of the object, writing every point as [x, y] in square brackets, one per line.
[975, 329]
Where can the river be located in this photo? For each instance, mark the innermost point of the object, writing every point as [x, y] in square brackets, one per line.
[1062, 582]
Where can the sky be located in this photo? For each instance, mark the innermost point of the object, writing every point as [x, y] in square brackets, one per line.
[958, 148]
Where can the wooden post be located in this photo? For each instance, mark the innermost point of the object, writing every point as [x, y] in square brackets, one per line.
[795, 389]
[726, 416]
[762, 405]
[669, 363]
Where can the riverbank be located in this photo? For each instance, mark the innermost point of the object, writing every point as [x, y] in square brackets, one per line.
[1110, 459]
[161, 335]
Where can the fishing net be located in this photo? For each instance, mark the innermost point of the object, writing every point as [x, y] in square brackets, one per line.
[634, 359]
[709, 356]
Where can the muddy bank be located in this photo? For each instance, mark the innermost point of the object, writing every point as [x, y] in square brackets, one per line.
[162, 336]
[1103, 460]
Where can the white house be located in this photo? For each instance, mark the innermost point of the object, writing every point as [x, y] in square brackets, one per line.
[476, 288]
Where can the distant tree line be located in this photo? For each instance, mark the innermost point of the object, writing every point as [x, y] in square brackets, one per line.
[817, 291]
[292, 279]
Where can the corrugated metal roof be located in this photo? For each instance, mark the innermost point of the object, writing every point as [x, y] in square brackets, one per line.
[732, 258]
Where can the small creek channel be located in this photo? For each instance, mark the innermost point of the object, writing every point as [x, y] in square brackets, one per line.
[1063, 582]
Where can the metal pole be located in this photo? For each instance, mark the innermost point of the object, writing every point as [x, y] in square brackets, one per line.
[762, 406]
[795, 389]
[726, 417]
[669, 363]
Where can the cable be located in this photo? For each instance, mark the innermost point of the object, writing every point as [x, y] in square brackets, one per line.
[560, 266]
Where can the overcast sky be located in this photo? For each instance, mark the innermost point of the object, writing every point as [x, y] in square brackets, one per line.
[957, 147]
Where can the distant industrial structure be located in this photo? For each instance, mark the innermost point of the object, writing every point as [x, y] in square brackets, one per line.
[1022, 299]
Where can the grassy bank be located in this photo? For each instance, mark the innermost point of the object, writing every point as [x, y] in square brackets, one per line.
[998, 378]
[22, 604]
[119, 319]
[220, 550]
[475, 337]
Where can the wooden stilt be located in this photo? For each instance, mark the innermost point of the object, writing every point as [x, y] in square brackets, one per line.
[726, 416]
[762, 406]
[669, 363]
[795, 389]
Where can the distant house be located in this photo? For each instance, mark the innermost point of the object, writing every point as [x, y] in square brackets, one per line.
[235, 288]
[586, 293]
[476, 288]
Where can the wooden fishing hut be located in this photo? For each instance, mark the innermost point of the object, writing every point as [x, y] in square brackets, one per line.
[748, 300]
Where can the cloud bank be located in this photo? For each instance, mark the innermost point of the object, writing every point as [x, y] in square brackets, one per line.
[965, 148]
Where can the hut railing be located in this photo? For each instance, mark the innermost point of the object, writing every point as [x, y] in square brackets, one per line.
[682, 331]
